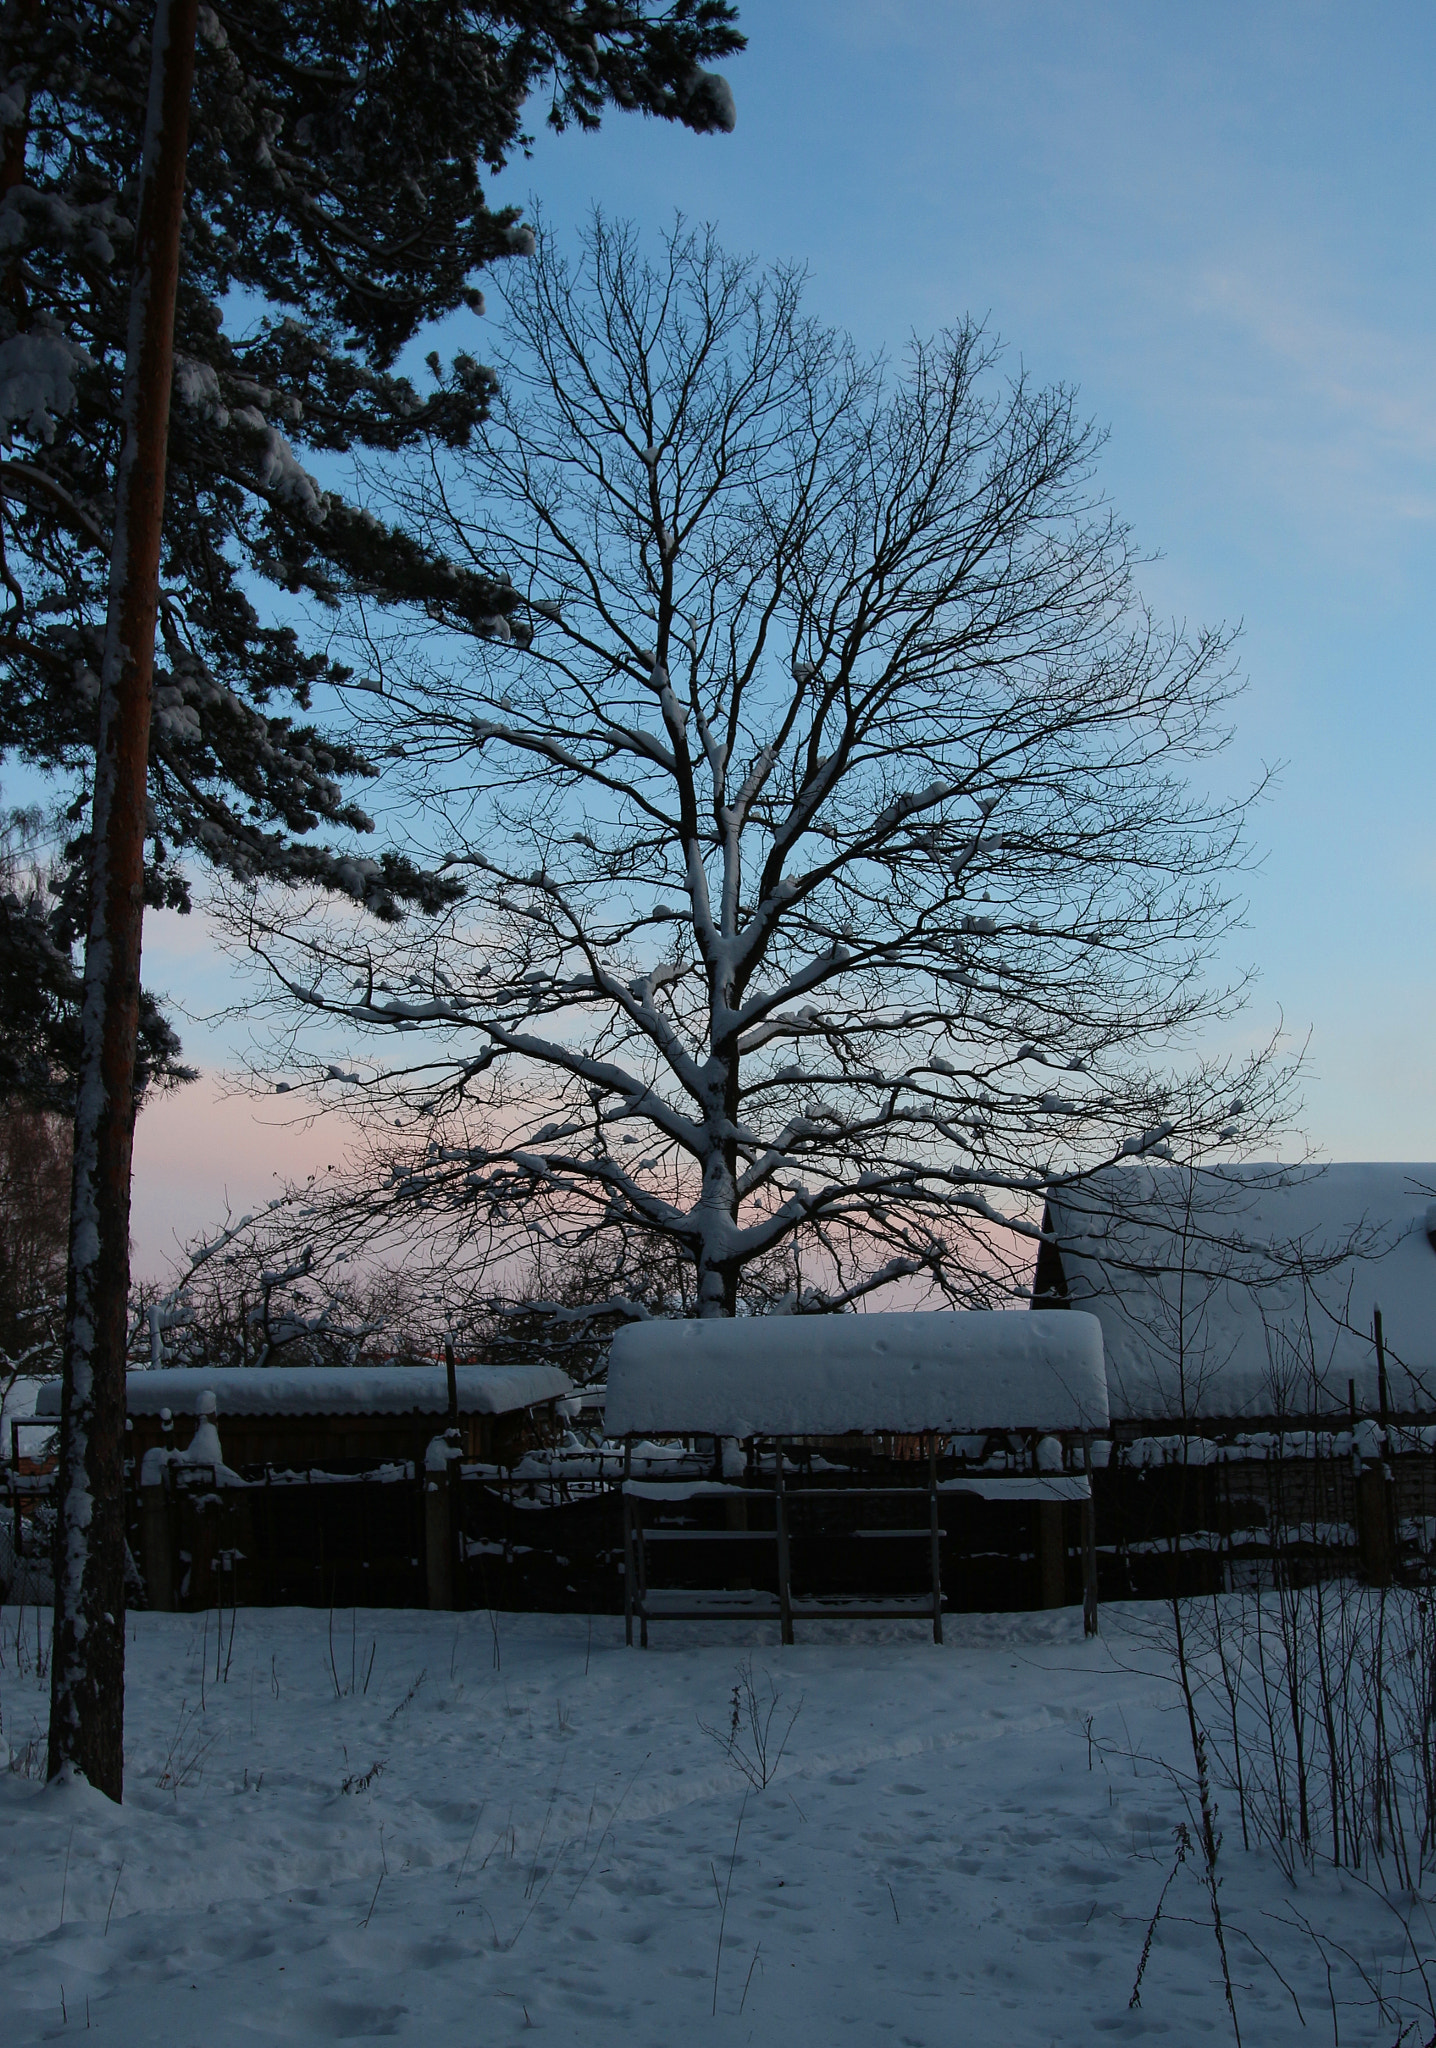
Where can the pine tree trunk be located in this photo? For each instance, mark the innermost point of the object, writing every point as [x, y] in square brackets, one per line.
[88, 1663]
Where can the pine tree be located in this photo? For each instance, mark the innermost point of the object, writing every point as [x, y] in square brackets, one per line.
[333, 207]
[42, 920]
[320, 163]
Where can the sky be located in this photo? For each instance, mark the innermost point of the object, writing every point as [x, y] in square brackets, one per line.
[1219, 224]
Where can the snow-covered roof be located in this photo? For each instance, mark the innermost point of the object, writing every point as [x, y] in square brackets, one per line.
[334, 1390]
[1222, 1293]
[826, 1375]
[19, 1399]
[17, 1404]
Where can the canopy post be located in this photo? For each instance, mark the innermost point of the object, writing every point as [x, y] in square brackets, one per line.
[451, 1376]
[936, 1536]
[1089, 1545]
[640, 1553]
[780, 1516]
[627, 1544]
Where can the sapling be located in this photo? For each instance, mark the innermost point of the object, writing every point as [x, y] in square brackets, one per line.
[752, 1717]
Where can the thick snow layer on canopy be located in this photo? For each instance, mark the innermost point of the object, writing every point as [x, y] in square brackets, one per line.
[334, 1390]
[1197, 1282]
[824, 1375]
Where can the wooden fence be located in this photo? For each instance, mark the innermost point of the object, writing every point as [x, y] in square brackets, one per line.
[550, 1535]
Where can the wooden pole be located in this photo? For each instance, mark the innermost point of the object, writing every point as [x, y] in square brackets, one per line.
[936, 1533]
[780, 1514]
[452, 1373]
[627, 1544]
[1383, 1407]
[1375, 1490]
[157, 1543]
[1089, 1545]
[1051, 1554]
[438, 1483]
[88, 1667]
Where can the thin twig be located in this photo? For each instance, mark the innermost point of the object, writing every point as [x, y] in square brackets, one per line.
[469, 1844]
[723, 1916]
[113, 1889]
[603, 1837]
[1184, 1843]
[384, 1872]
[749, 1978]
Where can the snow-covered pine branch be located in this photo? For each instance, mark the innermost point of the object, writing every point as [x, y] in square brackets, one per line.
[331, 191]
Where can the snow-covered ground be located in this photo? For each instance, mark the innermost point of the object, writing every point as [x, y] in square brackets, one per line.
[521, 1827]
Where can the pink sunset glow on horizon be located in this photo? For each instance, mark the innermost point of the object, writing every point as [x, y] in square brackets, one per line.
[203, 1147]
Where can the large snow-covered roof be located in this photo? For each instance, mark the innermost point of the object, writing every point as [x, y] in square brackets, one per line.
[334, 1390]
[1222, 1293]
[825, 1375]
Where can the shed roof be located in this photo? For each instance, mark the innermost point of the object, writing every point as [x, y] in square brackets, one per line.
[334, 1390]
[1249, 1290]
[825, 1375]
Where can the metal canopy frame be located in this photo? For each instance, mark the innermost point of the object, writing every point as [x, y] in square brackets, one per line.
[637, 1539]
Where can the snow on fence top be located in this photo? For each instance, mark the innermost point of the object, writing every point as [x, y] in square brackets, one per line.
[826, 1375]
[1249, 1291]
[334, 1390]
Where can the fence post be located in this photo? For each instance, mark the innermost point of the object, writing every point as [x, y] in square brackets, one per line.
[157, 1559]
[1089, 1544]
[780, 1524]
[1051, 1555]
[1375, 1535]
[1374, 1505]
[935, 1538]
[439, 1485]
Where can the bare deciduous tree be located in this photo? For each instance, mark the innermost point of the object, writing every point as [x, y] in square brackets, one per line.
[835, 874]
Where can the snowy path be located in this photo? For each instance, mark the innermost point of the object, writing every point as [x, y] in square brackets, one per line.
[938, 1859]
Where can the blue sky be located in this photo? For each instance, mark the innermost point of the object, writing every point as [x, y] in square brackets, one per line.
[1220, 223]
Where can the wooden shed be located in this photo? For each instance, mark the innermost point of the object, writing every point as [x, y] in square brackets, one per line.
[339, 1419]
[1270, 1344]
[1245, 1295]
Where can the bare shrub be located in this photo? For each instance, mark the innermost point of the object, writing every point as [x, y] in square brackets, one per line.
[748, 1742]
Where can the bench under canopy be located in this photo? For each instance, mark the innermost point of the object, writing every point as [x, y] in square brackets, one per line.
[958, 1371]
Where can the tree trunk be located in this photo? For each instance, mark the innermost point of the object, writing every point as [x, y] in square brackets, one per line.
[716, 1270]
[88, 1661]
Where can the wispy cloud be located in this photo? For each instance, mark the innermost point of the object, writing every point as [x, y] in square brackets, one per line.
[1356, 402]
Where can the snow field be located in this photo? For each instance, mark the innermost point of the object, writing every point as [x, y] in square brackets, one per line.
[538, 1836]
